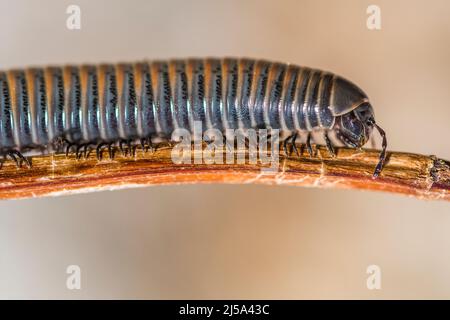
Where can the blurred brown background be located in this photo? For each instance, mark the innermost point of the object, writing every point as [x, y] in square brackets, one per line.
[241, 241]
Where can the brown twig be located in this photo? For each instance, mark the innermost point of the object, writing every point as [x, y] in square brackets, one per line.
[425, 177]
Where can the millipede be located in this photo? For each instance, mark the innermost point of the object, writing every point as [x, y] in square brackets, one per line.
[128, 104]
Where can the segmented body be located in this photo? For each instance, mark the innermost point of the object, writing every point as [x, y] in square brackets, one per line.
[106, 103]
[90, 105]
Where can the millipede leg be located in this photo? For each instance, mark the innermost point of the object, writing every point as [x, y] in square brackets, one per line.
[13, 157]
[86, 150]
[78, 151]
[308, 145]
[122, 150]
[285, 143]
[143, 145]
[99, 150]
[17, 157]
[82, 150]
[130, 148]
[22, 159]
[111, 150]
[294, 145]
[69, 145]
[291, 142]
[328, 144]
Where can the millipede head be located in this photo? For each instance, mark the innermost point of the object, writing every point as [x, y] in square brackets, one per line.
[355, 128]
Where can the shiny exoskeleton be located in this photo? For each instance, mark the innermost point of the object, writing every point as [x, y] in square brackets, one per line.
[107, 104]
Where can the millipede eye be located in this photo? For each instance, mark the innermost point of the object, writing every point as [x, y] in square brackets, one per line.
[370, 121]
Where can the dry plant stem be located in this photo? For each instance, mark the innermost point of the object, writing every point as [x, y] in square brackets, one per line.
[425, 177]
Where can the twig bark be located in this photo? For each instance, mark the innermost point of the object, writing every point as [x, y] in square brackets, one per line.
[425, 177]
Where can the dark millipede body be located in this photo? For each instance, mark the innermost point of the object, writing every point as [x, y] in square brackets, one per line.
[101, 105]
